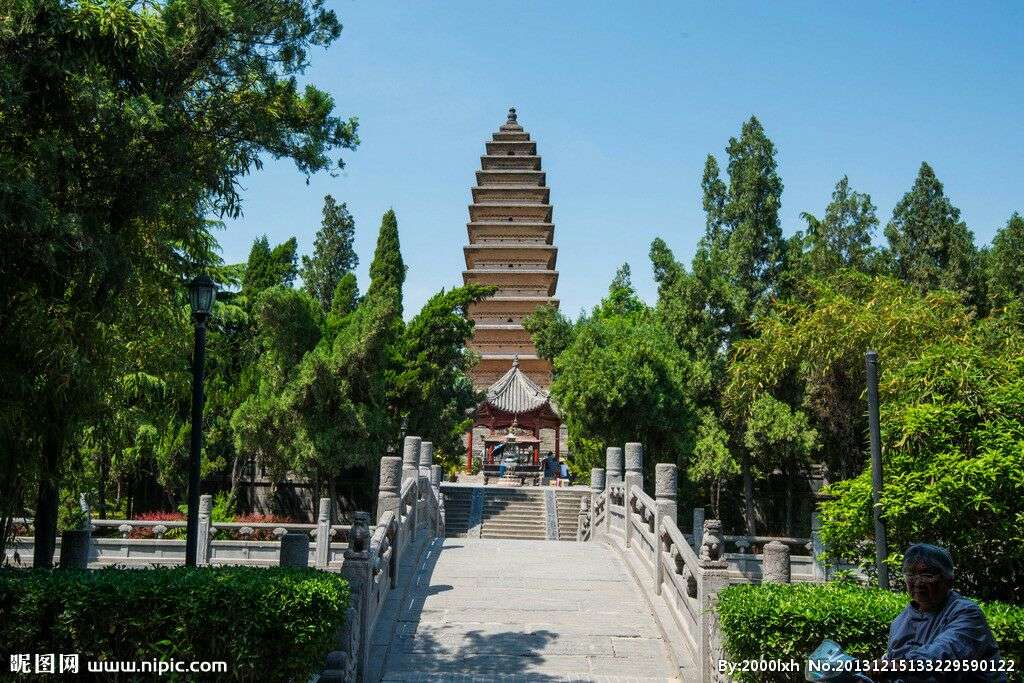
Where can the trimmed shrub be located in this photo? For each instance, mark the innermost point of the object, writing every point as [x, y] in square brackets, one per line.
[776, 621]
[268, 624]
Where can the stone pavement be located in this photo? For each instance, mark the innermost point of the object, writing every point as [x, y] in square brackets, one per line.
[503, 610]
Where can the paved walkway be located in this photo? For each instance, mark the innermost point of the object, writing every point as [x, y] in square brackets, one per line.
[502, 610]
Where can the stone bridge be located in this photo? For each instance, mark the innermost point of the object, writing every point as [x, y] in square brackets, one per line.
[471, 583]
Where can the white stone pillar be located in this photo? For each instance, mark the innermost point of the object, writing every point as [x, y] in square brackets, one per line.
[698, 528]
[666, 480]
[775, 563]
[613, 465]
[390, 480]
[411, 458]
[323, 534]
[203, 531]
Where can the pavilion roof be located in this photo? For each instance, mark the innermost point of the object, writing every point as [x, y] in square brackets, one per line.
[515, 393]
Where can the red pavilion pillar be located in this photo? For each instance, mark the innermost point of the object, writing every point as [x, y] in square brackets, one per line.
[469, 452]
[558, 432]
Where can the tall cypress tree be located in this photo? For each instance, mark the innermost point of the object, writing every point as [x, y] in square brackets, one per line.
[387, 271]
[931, 247]
[333, 254]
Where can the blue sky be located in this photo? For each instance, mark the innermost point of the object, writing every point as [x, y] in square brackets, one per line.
[625, 101]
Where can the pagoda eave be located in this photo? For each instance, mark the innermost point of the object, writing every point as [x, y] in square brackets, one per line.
[544, 256]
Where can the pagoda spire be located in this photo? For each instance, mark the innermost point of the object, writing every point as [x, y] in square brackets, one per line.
[511, 246]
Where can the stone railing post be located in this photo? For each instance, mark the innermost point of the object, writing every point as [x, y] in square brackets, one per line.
[775, 563]
[698, 528]
[294, 550]
[323, 534]
[356, 568]
[613, 465]
[581, 518]
[411, 472]
[634, 478]
[597, 487]
[666, 480]
[436, 474]
[86, 527]
[426, 460]
[388, 496]
[714, 576]
[203, 533]
[821, 571]
[411, 458]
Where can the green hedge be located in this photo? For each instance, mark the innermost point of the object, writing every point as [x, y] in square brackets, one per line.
[775, 621]
[268, 624]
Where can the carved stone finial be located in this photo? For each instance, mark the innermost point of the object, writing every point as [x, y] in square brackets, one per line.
[712, 546]
[359, 538]
[512, 116]
[515, 358]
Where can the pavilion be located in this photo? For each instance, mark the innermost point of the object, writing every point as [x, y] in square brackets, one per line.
[512, 414]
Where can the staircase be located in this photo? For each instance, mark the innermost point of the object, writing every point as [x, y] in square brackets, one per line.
[567, 503]
[457, 502]
[513, 513]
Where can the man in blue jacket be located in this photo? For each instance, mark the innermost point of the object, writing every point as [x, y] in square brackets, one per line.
[939, 627]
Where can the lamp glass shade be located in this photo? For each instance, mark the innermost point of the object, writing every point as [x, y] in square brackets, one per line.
[201, 294]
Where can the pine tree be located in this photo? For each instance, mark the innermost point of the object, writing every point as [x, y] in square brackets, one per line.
[931, 247]
[1006, 263]
[387, 271]
[333, 254]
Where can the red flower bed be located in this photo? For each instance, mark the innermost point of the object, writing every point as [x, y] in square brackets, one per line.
[147, 531]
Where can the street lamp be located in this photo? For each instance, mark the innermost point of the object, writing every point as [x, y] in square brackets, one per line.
[202, 292]
[881, 546]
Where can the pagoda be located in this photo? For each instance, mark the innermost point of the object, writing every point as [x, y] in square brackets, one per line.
[511, 247]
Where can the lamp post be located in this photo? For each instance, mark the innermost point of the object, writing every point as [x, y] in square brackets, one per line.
[202, 292]
[881, 547]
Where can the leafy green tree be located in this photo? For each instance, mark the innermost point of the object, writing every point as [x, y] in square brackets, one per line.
[777, 436]
[842, 238]
[346, 295]
[124, 125]
[812, 352]
[433, 389]
[953, 453]
[623, 379]
[1006, 263]
[550, 331]
[333, 256]
[268, 267]
[713, 462]
[931, 247]
[735, 273]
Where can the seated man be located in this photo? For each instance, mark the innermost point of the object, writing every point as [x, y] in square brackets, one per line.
[939, 623]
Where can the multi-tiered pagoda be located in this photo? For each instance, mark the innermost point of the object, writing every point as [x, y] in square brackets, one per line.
[510, 246]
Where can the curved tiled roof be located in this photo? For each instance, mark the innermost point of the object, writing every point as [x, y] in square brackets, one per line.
[516, 393]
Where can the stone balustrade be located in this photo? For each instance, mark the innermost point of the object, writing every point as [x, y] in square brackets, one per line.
[683, 573]
[141, 543]
[410, 516]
